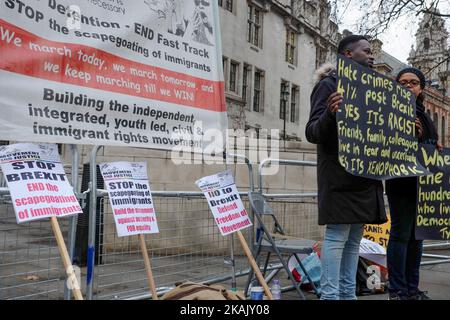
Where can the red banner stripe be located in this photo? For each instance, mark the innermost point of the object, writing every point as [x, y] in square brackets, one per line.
[71, 70]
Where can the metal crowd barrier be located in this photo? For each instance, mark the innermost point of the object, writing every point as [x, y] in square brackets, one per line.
[188, 247]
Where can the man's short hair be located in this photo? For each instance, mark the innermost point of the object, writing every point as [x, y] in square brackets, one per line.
[349, 40]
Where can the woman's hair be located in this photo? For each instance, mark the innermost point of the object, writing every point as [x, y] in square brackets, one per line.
[420, 75]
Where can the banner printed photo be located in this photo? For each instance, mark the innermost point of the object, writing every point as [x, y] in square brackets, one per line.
[225, 202]
[130, 197]
[37, 182]
[144, 73]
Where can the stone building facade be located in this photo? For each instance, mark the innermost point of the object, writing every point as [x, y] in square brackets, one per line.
[432, 56]
[271, 50]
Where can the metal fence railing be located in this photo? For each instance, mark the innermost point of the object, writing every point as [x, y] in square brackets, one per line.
[189, 246]
[30, 264]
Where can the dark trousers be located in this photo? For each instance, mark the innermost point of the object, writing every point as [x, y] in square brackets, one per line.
[404, 252]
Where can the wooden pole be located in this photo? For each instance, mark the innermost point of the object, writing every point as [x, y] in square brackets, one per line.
[148, 267]
[255, 267]
[66, 259]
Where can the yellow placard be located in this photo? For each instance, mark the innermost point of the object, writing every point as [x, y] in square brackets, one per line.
[378, 233]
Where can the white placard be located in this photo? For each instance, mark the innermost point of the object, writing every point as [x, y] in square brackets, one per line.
[144, 73]
[372, 251]
[225, 203]
[37, 182]
[130, 197]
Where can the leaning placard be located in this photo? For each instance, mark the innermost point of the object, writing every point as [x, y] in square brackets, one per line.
[39, 189]
[433, 195]
[132, 205]
[375, 124]
[125, 73]
[225, 203]
[229, 213]
[37, 182]
[130, 197]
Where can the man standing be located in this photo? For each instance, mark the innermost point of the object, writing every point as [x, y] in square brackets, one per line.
[346, 202]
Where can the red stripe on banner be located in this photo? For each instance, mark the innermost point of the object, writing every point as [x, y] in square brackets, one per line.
[68, 68]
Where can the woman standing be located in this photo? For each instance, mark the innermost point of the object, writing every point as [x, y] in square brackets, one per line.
[404, 252]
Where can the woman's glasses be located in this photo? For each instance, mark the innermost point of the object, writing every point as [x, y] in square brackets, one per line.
[412, 83]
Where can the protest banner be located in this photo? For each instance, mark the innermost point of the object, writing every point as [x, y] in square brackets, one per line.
[132, 205]
[129, 73]
[39, 189]
[376, 124]
[225, 202]
[37, 182]
[130, 197]
[378, 233]
[433, 195]
[229, 213]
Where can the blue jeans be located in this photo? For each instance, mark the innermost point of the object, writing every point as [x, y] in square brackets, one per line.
[340, 253]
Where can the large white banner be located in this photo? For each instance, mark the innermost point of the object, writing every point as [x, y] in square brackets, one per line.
[130, 197]
[225, 202]
[145, 73]
[37, 182]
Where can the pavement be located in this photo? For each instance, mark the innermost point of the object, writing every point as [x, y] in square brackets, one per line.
[434, 278]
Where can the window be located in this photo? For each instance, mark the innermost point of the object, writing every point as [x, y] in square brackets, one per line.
[254, 26]
[4, 143]
[258, 91]
[321, 57]
[443, 130]
[246, 78]
[225, 70]
[284, 98]
[234, 67]
[294, 104]
[291, 45]
[226, 4]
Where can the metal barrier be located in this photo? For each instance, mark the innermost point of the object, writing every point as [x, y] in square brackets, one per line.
[188, 247]
[30, 263]
[436, 258]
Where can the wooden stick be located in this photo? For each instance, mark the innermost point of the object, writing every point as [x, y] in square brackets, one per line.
[255, 267]
[75, 286]
[148, 267]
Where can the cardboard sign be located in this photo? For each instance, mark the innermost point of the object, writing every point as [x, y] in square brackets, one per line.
[130, 197]
[37, 182]
[225, 203]
[376, 124]
[433, 208]
[126, 73]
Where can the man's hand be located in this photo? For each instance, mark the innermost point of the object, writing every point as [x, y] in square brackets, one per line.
[439, 146]
[333, 101]
[419, 128]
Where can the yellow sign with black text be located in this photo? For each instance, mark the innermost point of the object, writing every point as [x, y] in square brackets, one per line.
[378, 233]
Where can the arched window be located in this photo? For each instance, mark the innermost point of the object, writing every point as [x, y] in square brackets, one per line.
[426, 43]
